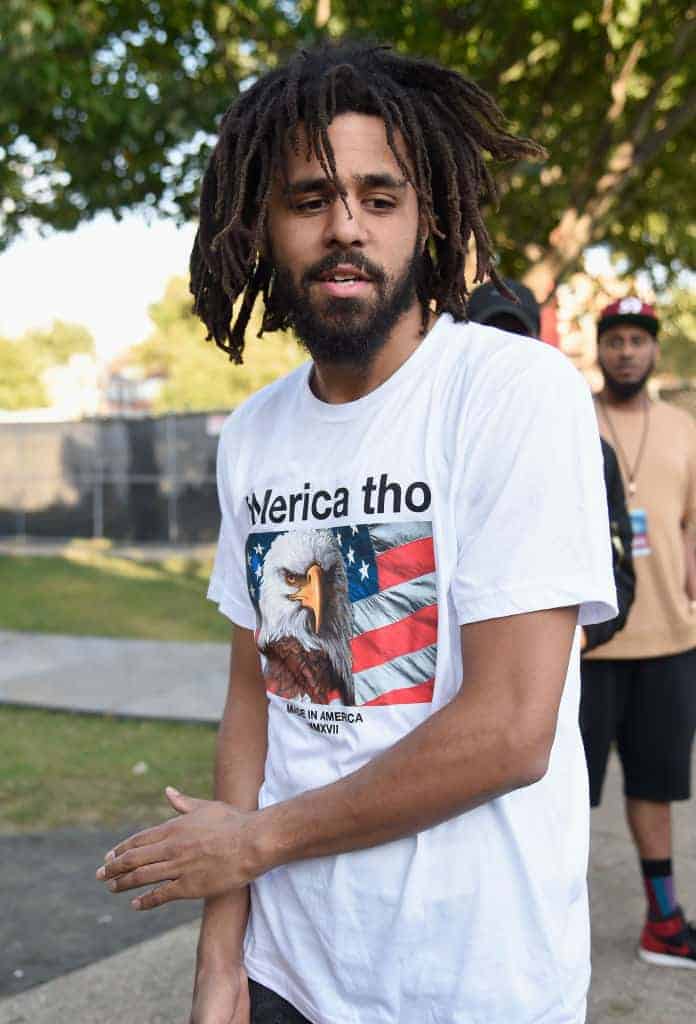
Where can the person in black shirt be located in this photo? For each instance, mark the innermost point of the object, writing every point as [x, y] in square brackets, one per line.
[488, 305]
[621, 538]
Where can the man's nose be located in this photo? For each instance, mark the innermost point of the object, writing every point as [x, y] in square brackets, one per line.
[345, 224]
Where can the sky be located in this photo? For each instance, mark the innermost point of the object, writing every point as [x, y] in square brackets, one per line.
[103, 275]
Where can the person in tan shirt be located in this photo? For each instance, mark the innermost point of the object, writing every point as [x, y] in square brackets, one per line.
[640, 688]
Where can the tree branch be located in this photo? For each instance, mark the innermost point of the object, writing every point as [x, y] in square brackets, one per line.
[322, 13]
[677, 118]
[606, 138]
[620, 84]
[641, 122]
[646, 107]
[607, 12]
[577, 228]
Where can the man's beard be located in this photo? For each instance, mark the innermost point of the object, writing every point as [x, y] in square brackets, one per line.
[346, 331]
[622, 390]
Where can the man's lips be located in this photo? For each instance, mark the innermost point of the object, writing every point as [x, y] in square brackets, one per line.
[344, 271]
[343, 281]
[344, 289]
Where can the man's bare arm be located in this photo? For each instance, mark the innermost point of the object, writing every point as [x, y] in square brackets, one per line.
[239, 765]
[495, 736]
[221, 991]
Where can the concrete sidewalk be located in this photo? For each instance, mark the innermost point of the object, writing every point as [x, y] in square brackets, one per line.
[624, 988]
[145, 678]
[147, 551]
[150, 983]
[146, 984]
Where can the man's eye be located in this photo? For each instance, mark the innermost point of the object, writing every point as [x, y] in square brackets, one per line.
[381, 203]
[310, 205]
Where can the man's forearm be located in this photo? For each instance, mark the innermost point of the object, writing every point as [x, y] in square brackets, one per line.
[459, 758]
[222, 930]
[239, 760]
[225, 917]
[495, 736]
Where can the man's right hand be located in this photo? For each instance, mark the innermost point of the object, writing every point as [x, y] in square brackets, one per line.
[221, 997]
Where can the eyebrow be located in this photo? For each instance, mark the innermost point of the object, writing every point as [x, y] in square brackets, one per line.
[323, 184]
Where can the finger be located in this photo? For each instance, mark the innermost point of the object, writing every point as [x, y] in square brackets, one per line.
[157, 897]
[138, 857]
[181, 803]
[162, 871]
[147, 837]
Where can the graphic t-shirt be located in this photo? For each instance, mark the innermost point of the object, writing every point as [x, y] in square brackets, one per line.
[356, 539]
[663, 513]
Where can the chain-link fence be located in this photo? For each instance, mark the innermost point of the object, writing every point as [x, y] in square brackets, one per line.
[149, 479]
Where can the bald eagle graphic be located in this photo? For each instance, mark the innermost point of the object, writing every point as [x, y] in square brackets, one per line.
[306, 618]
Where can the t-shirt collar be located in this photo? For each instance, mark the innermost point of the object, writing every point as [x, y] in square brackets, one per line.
[351, 410]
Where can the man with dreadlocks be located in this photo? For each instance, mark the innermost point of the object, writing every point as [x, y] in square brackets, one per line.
[413, 527]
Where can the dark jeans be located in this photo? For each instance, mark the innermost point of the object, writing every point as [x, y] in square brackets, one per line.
[269, 1008]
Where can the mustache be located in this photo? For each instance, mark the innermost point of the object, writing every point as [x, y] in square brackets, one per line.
[336, 259]
[625, 389]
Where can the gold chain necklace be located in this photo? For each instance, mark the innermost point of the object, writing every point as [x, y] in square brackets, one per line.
[630, 470]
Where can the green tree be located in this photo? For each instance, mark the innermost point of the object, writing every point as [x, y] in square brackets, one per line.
[609, 88]
[678, 331]
[20, 384]
[108, 106]
[197, 376]
[23, 361]
[52, 346]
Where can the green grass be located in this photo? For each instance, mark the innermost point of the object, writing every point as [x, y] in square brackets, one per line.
[90, 592]
[60, 769]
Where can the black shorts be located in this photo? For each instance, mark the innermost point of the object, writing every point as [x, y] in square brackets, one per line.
[267, 1007]
[648, 705]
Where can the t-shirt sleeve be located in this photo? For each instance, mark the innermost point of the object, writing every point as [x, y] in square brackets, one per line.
[228, 584]
[531, 508]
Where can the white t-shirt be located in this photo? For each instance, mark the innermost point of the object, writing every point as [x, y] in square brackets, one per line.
[357, 538]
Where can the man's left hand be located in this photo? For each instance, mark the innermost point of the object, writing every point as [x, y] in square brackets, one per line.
[206, 851]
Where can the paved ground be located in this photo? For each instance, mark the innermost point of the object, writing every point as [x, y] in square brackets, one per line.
[56, 917]
[623, 988]
[128, 677]
[149, 983]
[148, 552]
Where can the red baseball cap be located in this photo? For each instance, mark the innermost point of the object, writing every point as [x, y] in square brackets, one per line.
[630, 310]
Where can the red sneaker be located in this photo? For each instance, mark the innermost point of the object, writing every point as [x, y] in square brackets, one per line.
[670, 942]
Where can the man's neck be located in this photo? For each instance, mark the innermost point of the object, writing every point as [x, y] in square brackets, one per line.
[636, 403]
[339, 384]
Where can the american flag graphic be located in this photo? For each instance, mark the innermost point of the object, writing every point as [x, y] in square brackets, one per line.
[390, 569]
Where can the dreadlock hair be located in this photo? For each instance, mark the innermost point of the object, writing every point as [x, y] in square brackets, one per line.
[447, 124]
